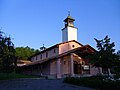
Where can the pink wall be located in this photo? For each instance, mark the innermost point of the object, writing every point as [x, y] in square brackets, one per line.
[68, 46]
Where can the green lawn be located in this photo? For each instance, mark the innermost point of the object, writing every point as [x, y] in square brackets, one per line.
[94, 82]
[7, 76]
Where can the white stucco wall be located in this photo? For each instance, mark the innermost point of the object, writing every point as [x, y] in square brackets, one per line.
[64, 35]
[72, 33]
[69, 33]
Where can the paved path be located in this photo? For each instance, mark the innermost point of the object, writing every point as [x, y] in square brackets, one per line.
[37, 84]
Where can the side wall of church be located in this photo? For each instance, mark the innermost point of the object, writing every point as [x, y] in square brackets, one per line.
[47, 54]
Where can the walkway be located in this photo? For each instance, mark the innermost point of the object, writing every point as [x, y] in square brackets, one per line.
[37, 84]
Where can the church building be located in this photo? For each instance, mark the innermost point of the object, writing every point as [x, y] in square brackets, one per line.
[65, 59]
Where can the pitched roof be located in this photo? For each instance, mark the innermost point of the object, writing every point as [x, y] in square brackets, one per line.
[70, 18]
[55, 46]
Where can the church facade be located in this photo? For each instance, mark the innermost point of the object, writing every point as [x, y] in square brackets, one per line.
[66, 59]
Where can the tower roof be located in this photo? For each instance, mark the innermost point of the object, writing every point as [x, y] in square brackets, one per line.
[69, 18]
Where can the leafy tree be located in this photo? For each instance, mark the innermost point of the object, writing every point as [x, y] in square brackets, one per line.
[105, 57]
[23, 53]
[118, 53]
[116, 69]
[7, 54]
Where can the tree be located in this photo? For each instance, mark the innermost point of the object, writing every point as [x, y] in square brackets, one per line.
[116, 69]
[105, 57]
[7, 54]
[118, 53]
[23, 53]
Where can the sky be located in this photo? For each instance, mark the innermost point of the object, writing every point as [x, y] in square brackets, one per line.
[36, 22]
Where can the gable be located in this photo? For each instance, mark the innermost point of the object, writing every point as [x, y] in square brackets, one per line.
[67, 46]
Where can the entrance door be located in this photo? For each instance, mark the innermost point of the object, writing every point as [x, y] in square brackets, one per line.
[77, 68]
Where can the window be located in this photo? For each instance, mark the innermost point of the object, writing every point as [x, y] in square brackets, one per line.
[46, 54]
[41, 56]
[73, 46]
[54, 51]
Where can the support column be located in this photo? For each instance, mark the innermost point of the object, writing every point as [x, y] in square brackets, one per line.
[109, 72]
[58, 68]
[100, 70]
[71, 65]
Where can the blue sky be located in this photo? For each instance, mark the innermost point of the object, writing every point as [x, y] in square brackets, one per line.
[36, 22]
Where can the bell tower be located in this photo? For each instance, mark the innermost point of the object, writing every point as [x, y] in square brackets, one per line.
[69, 32]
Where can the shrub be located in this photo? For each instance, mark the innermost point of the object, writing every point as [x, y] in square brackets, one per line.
[94, 82]
[117, 76]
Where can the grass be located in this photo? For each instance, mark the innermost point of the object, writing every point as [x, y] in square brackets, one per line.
[94, 82]
[8, 76]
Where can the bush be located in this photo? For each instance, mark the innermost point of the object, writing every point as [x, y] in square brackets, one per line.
[117, 76]
[18, 70]
[94, 82]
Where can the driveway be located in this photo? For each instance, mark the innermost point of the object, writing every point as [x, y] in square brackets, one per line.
[37, 84]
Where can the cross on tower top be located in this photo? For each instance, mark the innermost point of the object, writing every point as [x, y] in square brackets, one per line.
[68, 13]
